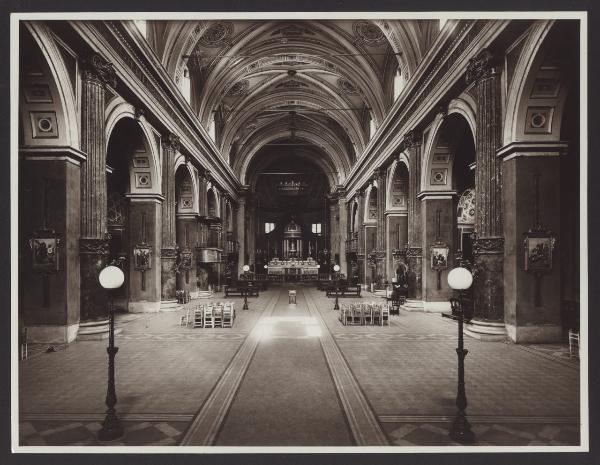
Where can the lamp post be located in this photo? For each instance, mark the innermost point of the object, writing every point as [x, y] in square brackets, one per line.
[111, 278]
[336, 269]
[246, 268]
[460, 279]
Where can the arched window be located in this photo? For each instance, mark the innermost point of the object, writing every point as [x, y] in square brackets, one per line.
[141, 25]
[212, 128]
[399, 83]
[372, 127]
[186, 85]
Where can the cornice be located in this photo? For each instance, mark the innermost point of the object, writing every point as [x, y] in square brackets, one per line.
[438, 71]
[142, 73]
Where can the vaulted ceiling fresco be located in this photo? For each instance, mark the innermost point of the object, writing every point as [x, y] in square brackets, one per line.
[325, 83]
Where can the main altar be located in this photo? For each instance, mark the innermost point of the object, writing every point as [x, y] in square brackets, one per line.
[293, 269]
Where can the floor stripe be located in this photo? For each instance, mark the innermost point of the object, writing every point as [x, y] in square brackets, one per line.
[361, 418]
[100, 416]
[203, 430]
[477, 419]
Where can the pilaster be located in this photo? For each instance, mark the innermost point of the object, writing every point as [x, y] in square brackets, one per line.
[97, 74]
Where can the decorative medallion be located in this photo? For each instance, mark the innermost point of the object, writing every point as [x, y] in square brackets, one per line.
[238, 88]
[43, 125]
[217, 34]
[438, 176]
[465, 211]
[368, 33]
[143, 181]
[539, 120]
[346, 86]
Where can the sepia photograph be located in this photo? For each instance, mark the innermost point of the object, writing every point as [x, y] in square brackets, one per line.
[341, 232]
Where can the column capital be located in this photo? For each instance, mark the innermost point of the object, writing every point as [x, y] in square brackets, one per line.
[481, 66]
[171, 141]
[379, 172]
[412, 139]
[96, 68]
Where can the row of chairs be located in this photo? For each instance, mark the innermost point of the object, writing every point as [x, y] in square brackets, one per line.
[365, 314]
[209, 315]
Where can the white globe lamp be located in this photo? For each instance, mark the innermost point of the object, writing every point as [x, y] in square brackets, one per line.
[460, 279]
[246, 268]
[336, 268]
[111, 277]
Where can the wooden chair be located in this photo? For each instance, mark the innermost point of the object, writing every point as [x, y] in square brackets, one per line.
[209, 321]
[227, 316]
[218, 315]
[377, 316]
[198, 321]
[573, 341]
[385, 314]
[367, 314]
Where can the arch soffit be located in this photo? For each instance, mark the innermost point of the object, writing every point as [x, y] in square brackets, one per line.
[320, 161]
[314, 132]
[66, 108]
[188, 167]
[391, 173]
[243, 164]
[517, 98]
[119, 109]
[431, 146]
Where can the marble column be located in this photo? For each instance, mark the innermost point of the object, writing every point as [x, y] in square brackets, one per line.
[97, 74]
[532, 198]
[334, 234]
[168, 253]
[187, 232]
[343, 232]
[488, 247]
[380, 175]
[241, 232]
[437, 218]
[360, 254]
[145, 230]
[414, 253]
[251, 229]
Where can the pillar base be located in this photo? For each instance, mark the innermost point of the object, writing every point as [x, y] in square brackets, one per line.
[144, 307]
[411, 305]
[535, 334]
[436, 307]
[169, 306]
[95, 330]
[488, 331]
[54, 334]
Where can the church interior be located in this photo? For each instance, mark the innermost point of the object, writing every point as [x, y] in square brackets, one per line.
[302, 219]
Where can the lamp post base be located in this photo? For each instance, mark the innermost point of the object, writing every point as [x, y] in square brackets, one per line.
[461, 430]
[111, 427]
[336, 306]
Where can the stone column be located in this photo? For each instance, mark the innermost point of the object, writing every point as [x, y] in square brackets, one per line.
[379, 175]
[343, 232]
[251, 230]
[168, 257]
[488, 246]
[360, 254]
[145, 229]
[334, 214]
[414, 254]
[437, 225]
[49, 302]
[97, 73]
[241, 232]
[532, 201]
[187, 233]
[202, 199]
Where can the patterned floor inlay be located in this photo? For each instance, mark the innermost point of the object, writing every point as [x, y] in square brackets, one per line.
[182, 337]
[85, 433]
[487, 434]
[393, 337]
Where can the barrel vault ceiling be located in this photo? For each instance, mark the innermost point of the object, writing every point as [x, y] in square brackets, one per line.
[314, 84]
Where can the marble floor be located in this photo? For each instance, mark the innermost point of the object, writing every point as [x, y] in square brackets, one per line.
[293, 375]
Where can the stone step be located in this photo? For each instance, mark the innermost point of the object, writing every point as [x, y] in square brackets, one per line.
[486, 330]
[169, 306]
